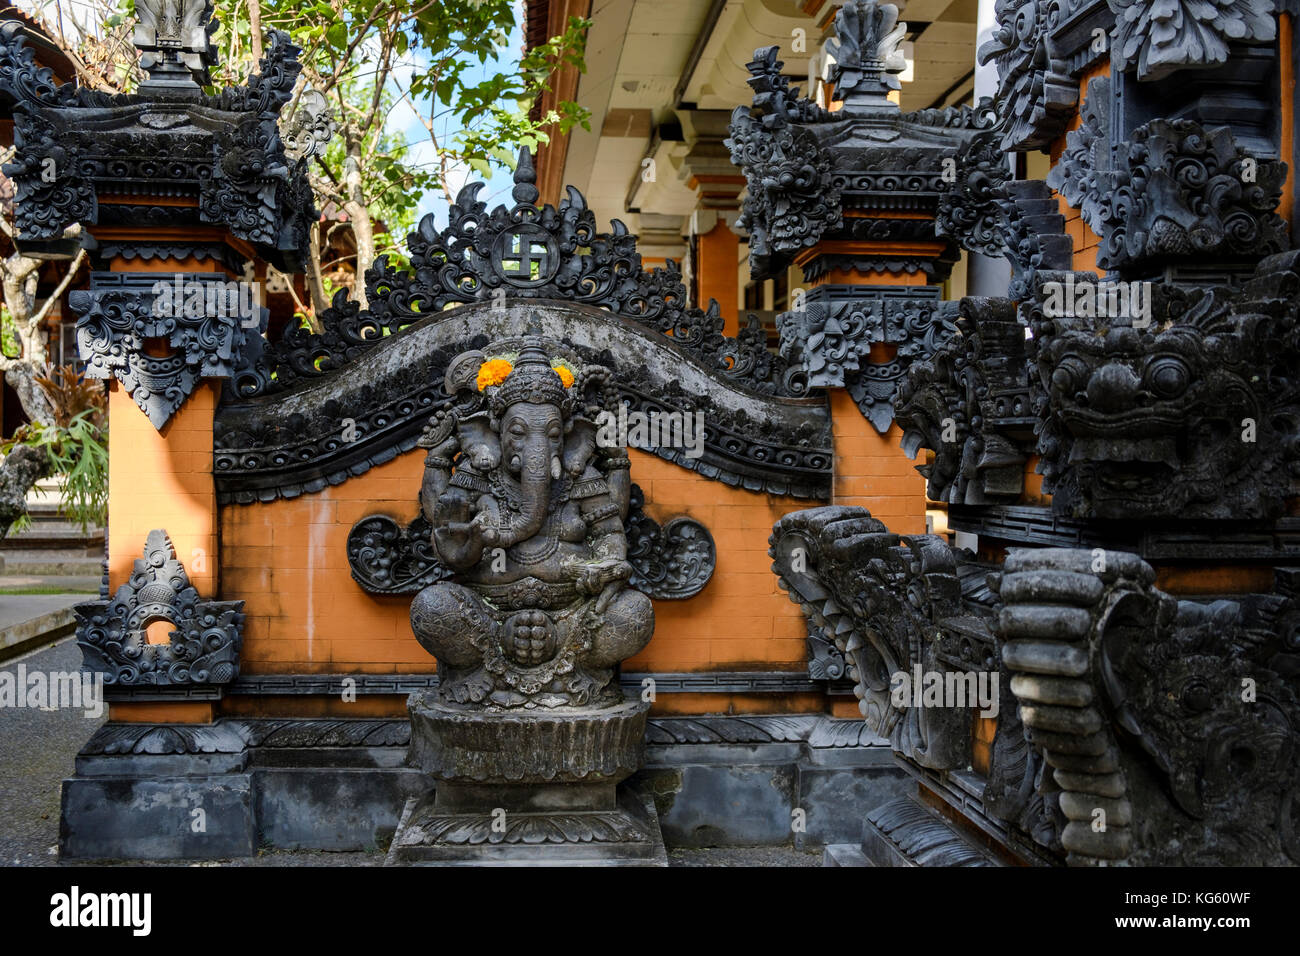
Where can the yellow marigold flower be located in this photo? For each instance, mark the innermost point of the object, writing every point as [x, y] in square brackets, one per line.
[565, 373]
[493, 372]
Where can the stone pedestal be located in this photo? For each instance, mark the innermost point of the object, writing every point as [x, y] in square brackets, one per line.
[528, 788]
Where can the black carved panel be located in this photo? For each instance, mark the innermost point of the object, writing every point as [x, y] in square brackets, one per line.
[831, 338]
[170, 139]
[330, 428]
[203, 649]
[196, 315]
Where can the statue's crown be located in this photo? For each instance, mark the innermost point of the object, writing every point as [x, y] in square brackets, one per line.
[531, 380]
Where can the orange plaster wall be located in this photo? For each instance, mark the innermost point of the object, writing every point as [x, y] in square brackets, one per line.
[1086, 241]
[162, 480]
[871, 470]
[718, 249]
[287, 560]
[740, 620]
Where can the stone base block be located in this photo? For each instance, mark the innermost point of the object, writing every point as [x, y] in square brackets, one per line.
[331, 808]
[844, 855]
[157, 818]
[526, 747]
[624, 834]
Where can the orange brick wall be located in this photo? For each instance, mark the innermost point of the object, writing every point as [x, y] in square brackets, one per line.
[1085, 240]
[162, 480]
[871, 470]
[740, 620]
[718, 279]
[287, 560]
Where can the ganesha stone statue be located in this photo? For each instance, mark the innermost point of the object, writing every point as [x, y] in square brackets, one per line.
[527, 512]
[528, 718]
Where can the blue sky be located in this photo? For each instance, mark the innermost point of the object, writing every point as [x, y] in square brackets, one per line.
[499, 185]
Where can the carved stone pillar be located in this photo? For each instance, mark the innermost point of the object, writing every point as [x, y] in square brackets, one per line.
[852, 198]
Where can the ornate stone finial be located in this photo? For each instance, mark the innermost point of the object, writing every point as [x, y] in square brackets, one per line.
[203, 648]
[173, 37]
[866, 53]
[1161, 38]
[307, 131]
[525, 190]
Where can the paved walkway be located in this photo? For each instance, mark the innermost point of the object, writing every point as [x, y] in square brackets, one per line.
[27, 618]
[36, 752]
[18, 608]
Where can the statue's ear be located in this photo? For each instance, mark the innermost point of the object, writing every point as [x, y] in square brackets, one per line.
[580, 445]
[462, 371]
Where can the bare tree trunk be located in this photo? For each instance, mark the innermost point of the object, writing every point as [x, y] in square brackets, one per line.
[20, 277]
[255, 29]
[23, 467]
[315, 284]
[359, 216]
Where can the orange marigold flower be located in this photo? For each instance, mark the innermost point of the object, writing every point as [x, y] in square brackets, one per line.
[565, 373]
[493, 372]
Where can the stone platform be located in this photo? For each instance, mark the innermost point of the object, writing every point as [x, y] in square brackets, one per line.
[531, 786]
[624, 833]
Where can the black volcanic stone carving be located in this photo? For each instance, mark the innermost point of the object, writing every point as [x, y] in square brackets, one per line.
[527, 505]
[1176, 719]
[671, 562]
[522, 251]
[1036, 96]
[1158, 38]
[388, 559]
[970, 403]
[173, 37]
[292, 442]
[806, 166]
[201, 324]
[1191, 415]
[203, 649]
[1186, 414]
[1174, 190]
[831, 338]
[170, 139]
[834, 561]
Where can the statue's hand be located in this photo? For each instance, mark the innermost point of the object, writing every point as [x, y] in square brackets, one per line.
[596, 578]
[466, 537]
[487, 533]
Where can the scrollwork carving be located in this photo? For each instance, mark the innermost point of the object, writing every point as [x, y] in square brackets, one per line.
[203, 648]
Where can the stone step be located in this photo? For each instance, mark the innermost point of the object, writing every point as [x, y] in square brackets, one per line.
[31, 621]
[1039, 207]
[1028, 189]
[34, 563]
[905, 832]
[1051, 224]
[844, 855]
[42, 538]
